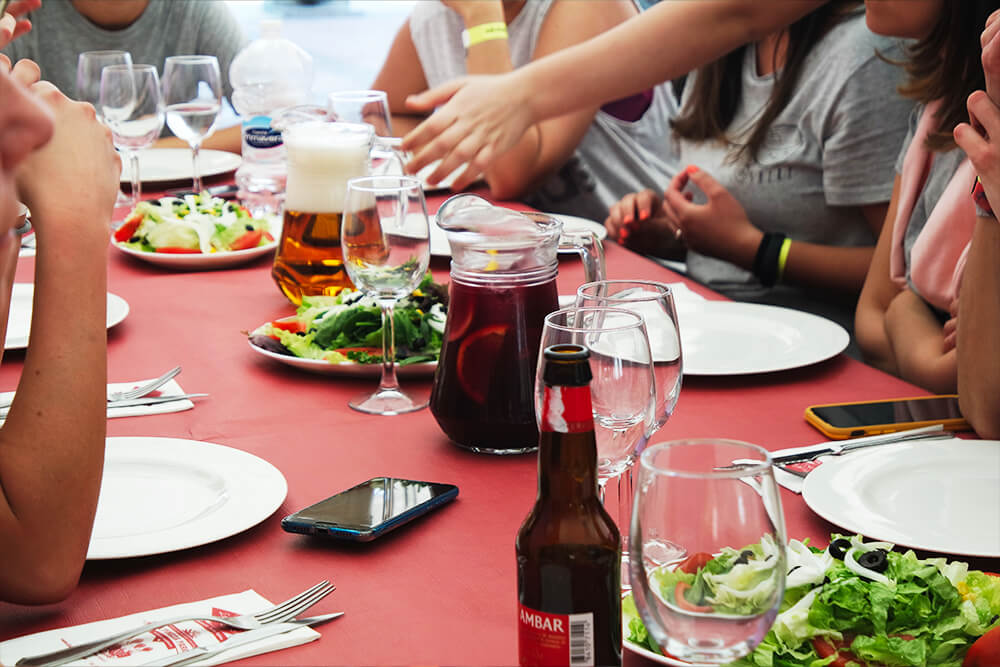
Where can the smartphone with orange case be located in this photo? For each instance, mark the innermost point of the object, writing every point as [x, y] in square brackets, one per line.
[851, 420]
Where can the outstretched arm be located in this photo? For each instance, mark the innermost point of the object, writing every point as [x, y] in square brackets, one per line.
[52, 444]
[664, 42]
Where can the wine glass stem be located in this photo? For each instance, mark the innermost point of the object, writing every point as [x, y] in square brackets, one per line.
[194, 166]
[388, 348]
[133, 161]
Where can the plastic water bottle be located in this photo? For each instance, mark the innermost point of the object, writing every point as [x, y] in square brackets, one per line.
[271, 73]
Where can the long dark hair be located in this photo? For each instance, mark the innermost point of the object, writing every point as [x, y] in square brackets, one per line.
[718, 87]
[947, 66]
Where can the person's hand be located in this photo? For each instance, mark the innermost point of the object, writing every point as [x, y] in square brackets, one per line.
[719, 227]
[482, 117]
[991, 55]
[476, 12]
[25, 71]
[73, 179]
[641, 223]
[12, 23]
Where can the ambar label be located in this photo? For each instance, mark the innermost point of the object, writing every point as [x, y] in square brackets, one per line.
[555, 640]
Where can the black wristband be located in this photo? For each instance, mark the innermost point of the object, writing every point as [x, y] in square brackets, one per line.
[765, 262]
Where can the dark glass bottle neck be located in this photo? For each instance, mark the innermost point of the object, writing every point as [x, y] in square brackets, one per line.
[567, 447]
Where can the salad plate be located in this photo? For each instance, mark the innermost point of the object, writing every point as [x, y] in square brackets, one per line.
[348, 369]
[938, 495]
[174, 164]
[571, 224]
[165, 494]
[19, 317]
[734, 338]
[196, 233]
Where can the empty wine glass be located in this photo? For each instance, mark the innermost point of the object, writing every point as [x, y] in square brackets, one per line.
[132, 109]
[717, 500]
[363, 106]
[88, 86]
[622, 389]
[385, 239]
[192, 93]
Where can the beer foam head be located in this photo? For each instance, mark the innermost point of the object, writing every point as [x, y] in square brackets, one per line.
[322, 157]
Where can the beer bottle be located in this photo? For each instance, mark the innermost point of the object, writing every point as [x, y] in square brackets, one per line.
[568, 549]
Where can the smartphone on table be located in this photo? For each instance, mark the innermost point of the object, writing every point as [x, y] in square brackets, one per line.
[370, 509]
[852, 420]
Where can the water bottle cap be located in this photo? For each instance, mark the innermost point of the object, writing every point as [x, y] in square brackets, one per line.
[270, 28]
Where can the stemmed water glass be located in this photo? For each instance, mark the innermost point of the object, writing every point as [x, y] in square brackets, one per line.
[89, 65]
[622, 389]
[363, 106]
[655, 302]
[131, 107]
[385, 239]
[714, 499]
[192, 93]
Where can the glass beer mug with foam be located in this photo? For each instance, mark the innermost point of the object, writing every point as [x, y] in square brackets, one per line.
[321, 156]
[503, 284]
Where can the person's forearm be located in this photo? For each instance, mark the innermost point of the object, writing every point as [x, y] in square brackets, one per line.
[227, 139]
[666, 41]
[978, 324]
[833, 267]
[52, 444]
[917, 341]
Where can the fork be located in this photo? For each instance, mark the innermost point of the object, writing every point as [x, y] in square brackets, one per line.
[144, 389]
[278, 614]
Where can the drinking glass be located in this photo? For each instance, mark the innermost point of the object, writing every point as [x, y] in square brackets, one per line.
[655, 302]
[385, 239]
[88, 86]
[622, 390]
[715, 499]
[131, 107]
[192, 93]
[363, 106]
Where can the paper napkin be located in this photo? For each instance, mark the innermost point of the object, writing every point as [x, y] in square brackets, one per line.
[791, 481]
[161, 642]
[169, 389]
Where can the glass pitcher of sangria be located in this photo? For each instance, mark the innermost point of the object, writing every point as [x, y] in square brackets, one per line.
[503, 284]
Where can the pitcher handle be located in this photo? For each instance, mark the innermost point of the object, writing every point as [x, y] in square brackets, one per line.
[591, 251]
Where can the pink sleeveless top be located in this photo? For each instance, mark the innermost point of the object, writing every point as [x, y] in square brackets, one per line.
[937, 258]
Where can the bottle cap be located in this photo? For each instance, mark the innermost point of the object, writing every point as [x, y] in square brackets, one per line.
[566, 365]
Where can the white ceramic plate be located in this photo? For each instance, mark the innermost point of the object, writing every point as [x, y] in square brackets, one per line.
[174, 164]
[202, 261]
[166, 494]
[732, 338]
[19, 317]
[571, 223]
[425, 369]
[936, 495]
[649, 655]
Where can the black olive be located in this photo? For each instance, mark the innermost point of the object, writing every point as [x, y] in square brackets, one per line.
[875, 560]
[135, 239]
[249, 227]
[744, 557]
[794, 568]
[839, 548]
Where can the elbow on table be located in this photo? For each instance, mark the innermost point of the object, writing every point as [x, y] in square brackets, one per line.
[982, 413]
[43, 585]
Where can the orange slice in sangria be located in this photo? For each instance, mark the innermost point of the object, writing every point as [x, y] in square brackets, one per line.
[477, 357]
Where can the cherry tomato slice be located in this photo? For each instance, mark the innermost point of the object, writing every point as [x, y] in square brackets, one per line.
[125, 232]
[985, 651]
[249, 240]
[826, 647]
[694, 562]
[171, 250]
[682, 601]
[290, 324]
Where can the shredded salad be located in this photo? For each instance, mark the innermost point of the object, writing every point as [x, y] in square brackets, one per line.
[192, 224]
[857, 603]
[348, 327]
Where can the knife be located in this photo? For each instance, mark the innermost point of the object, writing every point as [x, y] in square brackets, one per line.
[146, 400]
[248, 637]
[810, 452]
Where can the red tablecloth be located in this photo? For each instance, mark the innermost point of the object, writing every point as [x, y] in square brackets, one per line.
[440, 591]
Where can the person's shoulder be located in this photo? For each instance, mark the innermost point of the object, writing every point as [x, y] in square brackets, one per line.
[849, 46]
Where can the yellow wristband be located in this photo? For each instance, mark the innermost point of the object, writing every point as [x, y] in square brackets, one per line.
[484, 32]
[786, 245]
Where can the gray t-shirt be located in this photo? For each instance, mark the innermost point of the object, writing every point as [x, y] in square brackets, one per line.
[166, 28]
[614, 157]
[831, 149]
